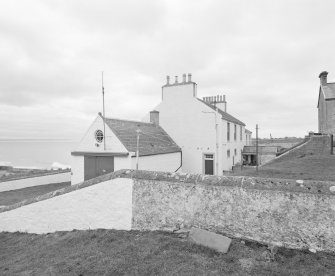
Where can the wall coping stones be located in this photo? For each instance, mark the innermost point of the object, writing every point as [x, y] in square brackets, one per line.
[285, 185]
[63, 191]
[246, 182]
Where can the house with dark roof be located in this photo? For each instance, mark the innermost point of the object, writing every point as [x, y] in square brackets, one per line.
[113, 144]
[182, 133]
[326, 105]
[211, 139]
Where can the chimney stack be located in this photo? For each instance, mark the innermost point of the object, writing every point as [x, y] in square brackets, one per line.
[218, 101]
[323, 77]
[184, 78]
[167, 80]
[154, 117]
[176, 79]
[189, 77]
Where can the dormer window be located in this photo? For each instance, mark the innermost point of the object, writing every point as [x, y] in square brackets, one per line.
[99, 136]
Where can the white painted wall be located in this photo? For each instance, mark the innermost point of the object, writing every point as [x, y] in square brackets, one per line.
[191, 124]
[88, 142]
[77, 169]
[105, 205]
[232, 144]
[122, 162]
[34, 181]
[169, 162]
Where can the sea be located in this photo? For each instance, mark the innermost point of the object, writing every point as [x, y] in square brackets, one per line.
[36, 153]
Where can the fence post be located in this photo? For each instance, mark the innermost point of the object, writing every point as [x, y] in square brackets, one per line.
[331, 144]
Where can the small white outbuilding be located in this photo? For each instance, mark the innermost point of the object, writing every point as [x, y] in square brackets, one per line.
[111, 144]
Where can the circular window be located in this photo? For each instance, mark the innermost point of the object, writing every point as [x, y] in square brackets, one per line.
[99, 136]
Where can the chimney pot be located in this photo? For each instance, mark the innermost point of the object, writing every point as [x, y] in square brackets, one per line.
[167, 80]
[189, 77]
[323, 77]
[184, 78]
[154, 117]
[176, 79]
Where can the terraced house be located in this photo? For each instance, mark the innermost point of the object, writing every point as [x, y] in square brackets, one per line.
[211, 139]
[326, 105]
[182, 133]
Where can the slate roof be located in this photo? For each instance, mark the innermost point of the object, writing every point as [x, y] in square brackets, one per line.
[261, 149]
[226, 116]
[153, 139]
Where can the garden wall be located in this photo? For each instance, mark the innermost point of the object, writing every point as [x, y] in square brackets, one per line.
[269, 215]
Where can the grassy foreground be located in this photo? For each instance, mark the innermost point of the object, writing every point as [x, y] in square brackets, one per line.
[307, 167]
[111, 252]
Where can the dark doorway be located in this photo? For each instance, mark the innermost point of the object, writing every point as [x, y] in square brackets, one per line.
[97, 165]
[209, 164]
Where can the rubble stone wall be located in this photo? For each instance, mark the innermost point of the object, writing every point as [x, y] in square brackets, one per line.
[279, 212]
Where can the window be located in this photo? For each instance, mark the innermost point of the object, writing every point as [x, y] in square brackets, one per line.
[99, 136]
[235, 152]
[228, 153]
[234, 132]
[241, 133]
[228, 131]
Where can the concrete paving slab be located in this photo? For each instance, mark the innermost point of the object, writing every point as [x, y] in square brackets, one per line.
[209, 239]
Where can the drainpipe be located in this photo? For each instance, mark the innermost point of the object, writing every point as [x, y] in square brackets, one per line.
[332, 144]
[181, 161]
[216, 142]
[216, 139]
[137, 146]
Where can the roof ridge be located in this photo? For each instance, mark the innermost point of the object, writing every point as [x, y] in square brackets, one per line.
[133, 121]
[235, 120]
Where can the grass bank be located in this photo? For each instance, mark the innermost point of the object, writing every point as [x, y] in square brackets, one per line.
[111, 252]
[308, 167]
[15, 196]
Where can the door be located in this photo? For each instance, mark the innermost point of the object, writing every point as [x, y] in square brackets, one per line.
[209, 164]
[97, 165]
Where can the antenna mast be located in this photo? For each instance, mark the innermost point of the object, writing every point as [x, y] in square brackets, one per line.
[103, 107]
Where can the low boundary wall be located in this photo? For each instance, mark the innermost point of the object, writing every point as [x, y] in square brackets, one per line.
[273, 211]
[35, 181]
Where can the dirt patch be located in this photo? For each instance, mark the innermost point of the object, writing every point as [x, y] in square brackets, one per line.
[110, 252]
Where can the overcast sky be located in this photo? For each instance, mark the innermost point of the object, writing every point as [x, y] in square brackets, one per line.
[265, 56]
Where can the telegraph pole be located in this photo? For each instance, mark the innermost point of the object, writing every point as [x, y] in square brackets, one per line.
[257, 148]
[103, 107]
[138, 131]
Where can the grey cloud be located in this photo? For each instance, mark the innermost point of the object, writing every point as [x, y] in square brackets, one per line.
[264, 55]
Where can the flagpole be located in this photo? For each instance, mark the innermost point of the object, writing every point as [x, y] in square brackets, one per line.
[103, 108]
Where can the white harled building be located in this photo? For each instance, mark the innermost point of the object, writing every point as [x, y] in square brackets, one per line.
[211, 139]
[183, 133]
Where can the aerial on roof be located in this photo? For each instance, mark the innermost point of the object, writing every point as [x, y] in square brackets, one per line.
[224, 115]
[153, 138]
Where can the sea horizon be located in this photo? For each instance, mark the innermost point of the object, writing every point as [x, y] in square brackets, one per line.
[36, 153]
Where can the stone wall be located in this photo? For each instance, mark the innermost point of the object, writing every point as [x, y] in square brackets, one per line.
[295, 214]
[280, 212]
